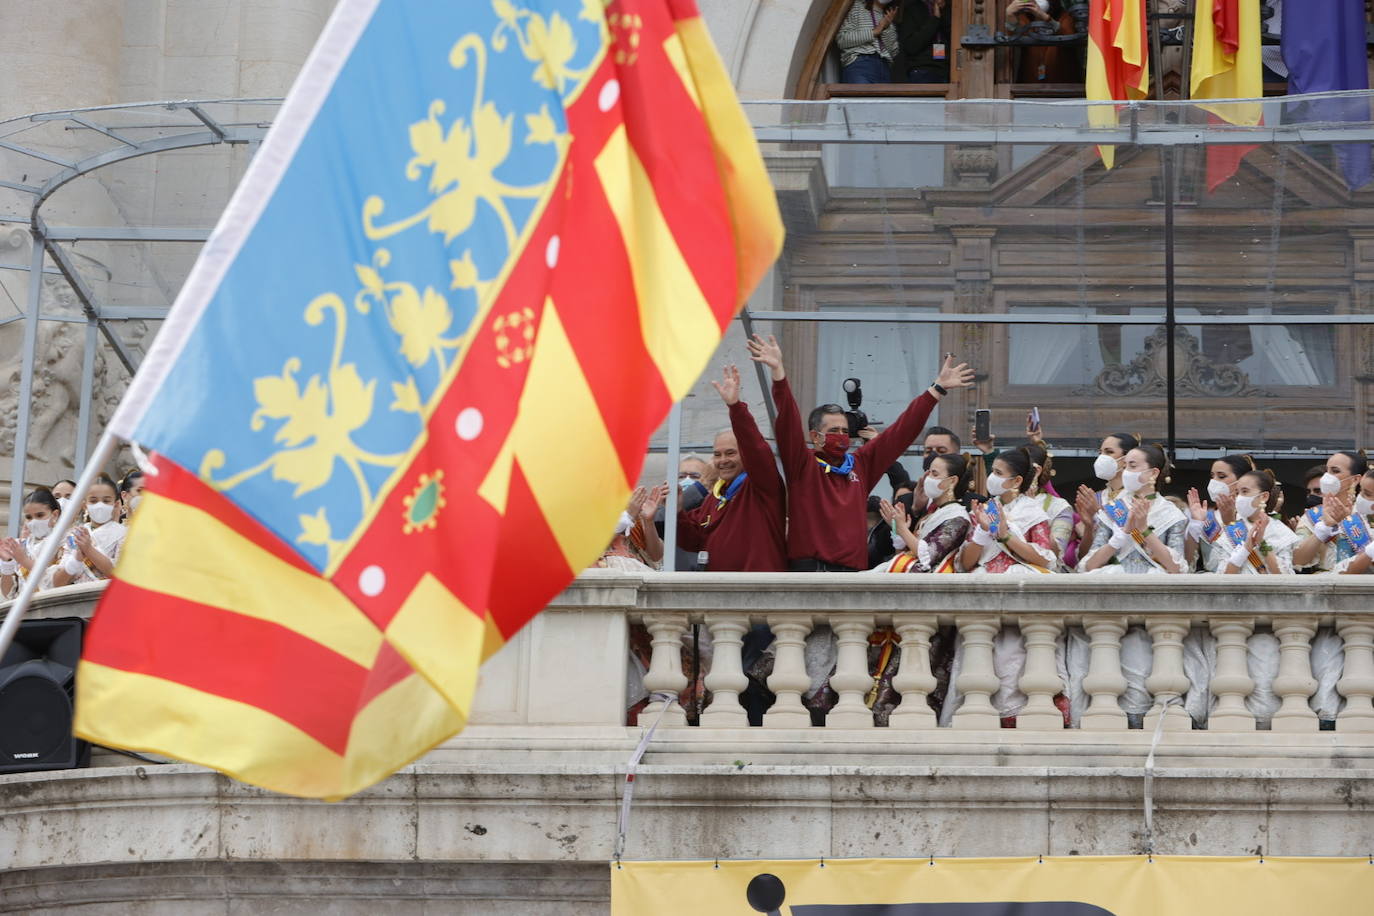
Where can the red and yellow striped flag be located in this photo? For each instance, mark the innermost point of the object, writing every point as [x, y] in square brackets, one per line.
[1226, 65]
[408, 385]
[1118, 61]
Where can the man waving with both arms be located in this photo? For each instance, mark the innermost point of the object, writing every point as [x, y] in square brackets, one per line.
[827, 485]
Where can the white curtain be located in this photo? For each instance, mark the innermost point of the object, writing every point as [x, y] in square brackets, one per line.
[1040, 353]
[1283, 359]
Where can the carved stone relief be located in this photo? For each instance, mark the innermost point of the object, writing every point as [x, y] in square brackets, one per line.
[1194, 373]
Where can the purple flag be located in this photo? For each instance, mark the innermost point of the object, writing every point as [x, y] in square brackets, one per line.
[1324, 49]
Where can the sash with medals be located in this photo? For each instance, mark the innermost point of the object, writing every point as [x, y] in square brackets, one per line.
[1237, 532]
[1356, 531]
[1211, 527]
[997, 524]
[1314, 517]
[1118, 513]
[995, 520]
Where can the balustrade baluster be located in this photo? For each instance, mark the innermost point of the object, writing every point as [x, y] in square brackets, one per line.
[1167, 680]
[1232, 682]
[1295, 682]
[726, 679]
[1040, 681]
[1357, 680]
[789, 679]
[1105, 682]
[914, 680]
[851, 679]
[665, 666]
[977, 681]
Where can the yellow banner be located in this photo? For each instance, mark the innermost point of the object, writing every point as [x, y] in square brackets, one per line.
[1062, 886]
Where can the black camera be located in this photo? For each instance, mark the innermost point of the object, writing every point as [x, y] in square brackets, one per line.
[854, 393]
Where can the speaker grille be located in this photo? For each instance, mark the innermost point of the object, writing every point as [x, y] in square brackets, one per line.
[35, 721]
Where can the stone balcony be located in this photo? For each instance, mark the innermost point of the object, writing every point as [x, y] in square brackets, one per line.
[518, 814]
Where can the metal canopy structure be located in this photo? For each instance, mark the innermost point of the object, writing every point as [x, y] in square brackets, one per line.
[42, 154]
[87, 179]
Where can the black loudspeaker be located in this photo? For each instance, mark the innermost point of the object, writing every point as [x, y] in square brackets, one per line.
[37, 685]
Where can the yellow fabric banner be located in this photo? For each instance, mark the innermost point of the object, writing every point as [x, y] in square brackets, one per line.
[1062, 886]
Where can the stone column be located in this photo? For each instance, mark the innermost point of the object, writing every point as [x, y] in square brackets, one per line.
[665, 666]
[1105, 682]
[1357, 678]
[914, 680]
[788, 680]
[977, 681]
[1295, 682]
[1167, 680]
[726, 679]
[1232, 683]
[851, 679]
[1040, 681]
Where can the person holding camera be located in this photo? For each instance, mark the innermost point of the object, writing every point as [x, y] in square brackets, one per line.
[741, 522]
[827, 485]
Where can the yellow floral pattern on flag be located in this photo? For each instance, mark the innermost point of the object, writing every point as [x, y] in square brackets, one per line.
[319, 414]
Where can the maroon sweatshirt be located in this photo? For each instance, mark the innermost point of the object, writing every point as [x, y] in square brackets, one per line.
[829, 512]
[746, 533]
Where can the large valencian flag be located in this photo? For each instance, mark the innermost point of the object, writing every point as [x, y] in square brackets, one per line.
[407, 387]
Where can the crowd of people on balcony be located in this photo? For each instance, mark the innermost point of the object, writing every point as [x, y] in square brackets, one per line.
[994, 513]
[92, 547]
[909, 41]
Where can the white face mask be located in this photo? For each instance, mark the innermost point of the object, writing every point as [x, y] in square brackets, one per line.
[39, 527]
[997, 485]
[1216, 489]
[100, 513]
[1245, 506]
[1105, 467]
[933, 487]
[1363, 506]
[1044, 5]
[1331, 484]
[64, 502]
[133, 503]
[1131, 480]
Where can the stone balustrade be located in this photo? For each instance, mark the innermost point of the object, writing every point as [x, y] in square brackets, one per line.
[518, 813]
[1176, 619]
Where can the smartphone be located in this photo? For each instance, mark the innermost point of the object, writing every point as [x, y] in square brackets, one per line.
[982, 425]
[1035, 419]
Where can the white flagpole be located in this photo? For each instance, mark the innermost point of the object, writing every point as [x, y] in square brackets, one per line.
[104, 451]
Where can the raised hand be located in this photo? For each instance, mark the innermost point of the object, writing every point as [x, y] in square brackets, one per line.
[952, 376]
[1138, 516]
[895, 513]
[1256, 535]
[767, 352]
[652, 501]
[82, 535]
[17, 552]
[983, 445]
[1085, 502]
[1197, 507]
[1226, 508]
[1335, 509]
[637, 500]
[1034, 432]
[728, 386]
[980, 516]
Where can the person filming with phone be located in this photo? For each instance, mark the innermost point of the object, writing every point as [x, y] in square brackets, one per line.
[828, 485]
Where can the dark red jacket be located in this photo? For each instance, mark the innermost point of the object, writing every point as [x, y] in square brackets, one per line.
[747, 533]
[829, 512]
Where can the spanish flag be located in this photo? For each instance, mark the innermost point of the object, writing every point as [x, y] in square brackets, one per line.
[1226, 65]
[484, 248]
[1118, 61]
